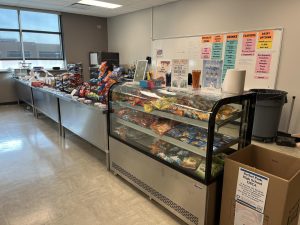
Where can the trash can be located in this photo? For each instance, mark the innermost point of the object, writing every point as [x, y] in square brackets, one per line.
[267, 115]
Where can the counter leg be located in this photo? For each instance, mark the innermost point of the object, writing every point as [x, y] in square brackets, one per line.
[63, 132]
[36, 113]
[107, 160]
[59, 129]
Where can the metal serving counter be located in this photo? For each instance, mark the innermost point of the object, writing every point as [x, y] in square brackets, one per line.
[86, 121]
[47, 103]
[24, 92]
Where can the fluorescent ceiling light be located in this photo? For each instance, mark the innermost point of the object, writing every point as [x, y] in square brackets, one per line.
[99, 4]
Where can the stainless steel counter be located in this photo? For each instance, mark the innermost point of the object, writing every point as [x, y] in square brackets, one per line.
[24, 92]
[47, 103]
[7, 88]
[86, 121]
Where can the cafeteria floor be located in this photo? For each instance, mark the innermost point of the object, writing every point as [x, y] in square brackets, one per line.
[45, 180]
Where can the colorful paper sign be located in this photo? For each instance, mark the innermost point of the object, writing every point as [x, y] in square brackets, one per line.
[180, 73]
[206, 39]
[218, 39]
[162, 68]
[212, 73]
[249, 43]
[217, 47]
[232, 37]
[230, 52]
[263, 65]
[206, 53]
[265, 39]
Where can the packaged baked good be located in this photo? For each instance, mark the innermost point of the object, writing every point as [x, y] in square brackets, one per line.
[191, 162]
[202, 115]
[148, 107]
[162, 127]
[183, 153]
[121, 131]
[216, 167]
[159, 146]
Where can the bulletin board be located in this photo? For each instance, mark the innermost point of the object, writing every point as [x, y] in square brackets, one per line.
[257, 52]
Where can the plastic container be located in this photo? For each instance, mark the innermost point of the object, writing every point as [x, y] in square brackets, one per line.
[267, 115]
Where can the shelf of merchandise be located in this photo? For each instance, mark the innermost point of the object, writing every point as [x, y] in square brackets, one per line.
[191, 148]
[182, 119]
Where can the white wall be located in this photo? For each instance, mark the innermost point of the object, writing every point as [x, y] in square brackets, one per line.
[193, 17]
[131, 35]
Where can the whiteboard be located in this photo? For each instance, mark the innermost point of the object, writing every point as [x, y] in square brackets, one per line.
[257, 52]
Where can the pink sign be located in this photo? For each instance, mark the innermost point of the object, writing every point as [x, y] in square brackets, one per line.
[206, 53]
[249, 42]
[263, 64]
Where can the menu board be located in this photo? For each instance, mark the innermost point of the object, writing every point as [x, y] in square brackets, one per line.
[256, 51]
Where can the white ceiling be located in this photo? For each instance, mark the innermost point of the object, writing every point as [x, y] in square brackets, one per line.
[65, 6]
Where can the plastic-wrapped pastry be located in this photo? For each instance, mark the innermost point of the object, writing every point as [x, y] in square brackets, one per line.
[191, 162]
[162, 127]
[163, 103]
[216, 167]
[121, 131]
[148, 107]
[159, 146]
[227, 110]
[202, 115]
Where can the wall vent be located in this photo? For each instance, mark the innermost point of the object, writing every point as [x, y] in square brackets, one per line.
[189, 216]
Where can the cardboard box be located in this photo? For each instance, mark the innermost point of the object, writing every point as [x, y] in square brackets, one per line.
[283, 191]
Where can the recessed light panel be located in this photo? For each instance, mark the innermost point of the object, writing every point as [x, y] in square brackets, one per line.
[99, 4]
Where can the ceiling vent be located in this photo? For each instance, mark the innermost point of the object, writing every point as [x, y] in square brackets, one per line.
[80, 6]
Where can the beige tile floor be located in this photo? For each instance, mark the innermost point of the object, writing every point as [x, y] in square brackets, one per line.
[47, 181]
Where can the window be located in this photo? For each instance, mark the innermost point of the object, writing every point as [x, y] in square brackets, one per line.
[37, 43]
[9, 19]
[40, 21]
[10, 42]
[36, 38]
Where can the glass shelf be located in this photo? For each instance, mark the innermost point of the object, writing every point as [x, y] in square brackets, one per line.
[197, 150]
[182, 119]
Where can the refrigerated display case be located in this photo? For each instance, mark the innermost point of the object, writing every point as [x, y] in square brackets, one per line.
[171, 144]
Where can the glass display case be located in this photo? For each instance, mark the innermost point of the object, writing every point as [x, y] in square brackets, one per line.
[190, 132]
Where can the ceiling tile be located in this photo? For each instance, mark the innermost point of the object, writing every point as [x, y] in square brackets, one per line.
[65, 6]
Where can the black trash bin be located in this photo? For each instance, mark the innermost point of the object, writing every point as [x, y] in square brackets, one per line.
[267, 115]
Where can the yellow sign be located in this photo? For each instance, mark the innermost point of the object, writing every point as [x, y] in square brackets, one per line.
[265, 39]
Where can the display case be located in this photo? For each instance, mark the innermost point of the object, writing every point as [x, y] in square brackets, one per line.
[163, 133]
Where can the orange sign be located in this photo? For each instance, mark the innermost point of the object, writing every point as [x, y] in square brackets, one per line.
[232, 37]
[265, 39]
[249, 35]
[206, 39]
[218, 39]
[266, 35]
